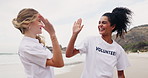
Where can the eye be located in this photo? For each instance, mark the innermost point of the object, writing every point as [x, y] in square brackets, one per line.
[99, 22]
[104, 22]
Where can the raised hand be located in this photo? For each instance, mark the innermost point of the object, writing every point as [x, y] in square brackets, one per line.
[48, 26]
[77, 27]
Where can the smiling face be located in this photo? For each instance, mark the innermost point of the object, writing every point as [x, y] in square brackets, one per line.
[36, 26]
[104, 27]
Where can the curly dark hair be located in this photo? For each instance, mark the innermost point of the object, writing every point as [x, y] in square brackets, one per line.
[120, 17]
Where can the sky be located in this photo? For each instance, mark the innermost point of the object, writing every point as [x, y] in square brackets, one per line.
[62, 14]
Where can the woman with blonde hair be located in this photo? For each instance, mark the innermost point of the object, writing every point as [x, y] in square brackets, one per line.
[38, 61]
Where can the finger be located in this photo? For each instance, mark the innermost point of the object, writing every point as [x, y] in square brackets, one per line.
[81, 27]
[75, 23]
[79, 21]
[48, 23]
[42, 19]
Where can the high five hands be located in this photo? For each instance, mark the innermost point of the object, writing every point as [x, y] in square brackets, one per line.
[77, 27]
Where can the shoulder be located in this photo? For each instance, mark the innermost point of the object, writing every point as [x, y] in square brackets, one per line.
[119, 48]
[29, 44]
[117, 45]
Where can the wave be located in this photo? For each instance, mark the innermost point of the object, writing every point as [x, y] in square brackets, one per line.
[8, 53]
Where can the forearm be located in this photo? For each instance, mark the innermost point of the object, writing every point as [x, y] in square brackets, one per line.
[70, 48]
[57, 54]
[76, 29]
[57, 59]
[121, 74]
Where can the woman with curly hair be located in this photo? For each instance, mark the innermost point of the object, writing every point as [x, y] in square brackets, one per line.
[102, 52]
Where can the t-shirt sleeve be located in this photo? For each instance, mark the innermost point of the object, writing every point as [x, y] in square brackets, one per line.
[122, 61]
[82, 46]
[36, 55]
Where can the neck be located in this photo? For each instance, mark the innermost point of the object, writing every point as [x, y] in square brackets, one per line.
[30, 35]
[108, 39]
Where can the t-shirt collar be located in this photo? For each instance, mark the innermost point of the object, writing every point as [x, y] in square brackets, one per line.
[31, 39]
[106, 42]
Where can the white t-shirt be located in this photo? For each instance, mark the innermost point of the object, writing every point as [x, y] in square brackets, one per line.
[33, 56]
[102, 57]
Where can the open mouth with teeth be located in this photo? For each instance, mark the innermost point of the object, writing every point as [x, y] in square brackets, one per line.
[101, 29]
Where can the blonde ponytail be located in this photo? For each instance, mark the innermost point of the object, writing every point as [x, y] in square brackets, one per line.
[18, 26]
[41, 39]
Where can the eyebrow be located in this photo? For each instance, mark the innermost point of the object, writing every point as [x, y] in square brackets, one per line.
[103, 21]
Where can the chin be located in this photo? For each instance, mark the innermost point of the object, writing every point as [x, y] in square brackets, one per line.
[101, 32]
[40, 33]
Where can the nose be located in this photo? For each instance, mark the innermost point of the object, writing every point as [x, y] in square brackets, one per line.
[100, 25]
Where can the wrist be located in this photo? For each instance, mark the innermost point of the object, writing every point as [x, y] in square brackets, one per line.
[52, 35]
[75, 34]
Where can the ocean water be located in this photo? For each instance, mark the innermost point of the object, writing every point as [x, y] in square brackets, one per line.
[13, 58]
[69, 63]
[9, 58]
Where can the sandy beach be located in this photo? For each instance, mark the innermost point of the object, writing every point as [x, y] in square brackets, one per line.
[75, 72]
[12, 71]
[138, 69]
[139, 66]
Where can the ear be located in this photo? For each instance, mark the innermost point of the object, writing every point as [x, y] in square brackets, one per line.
[113, 26]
